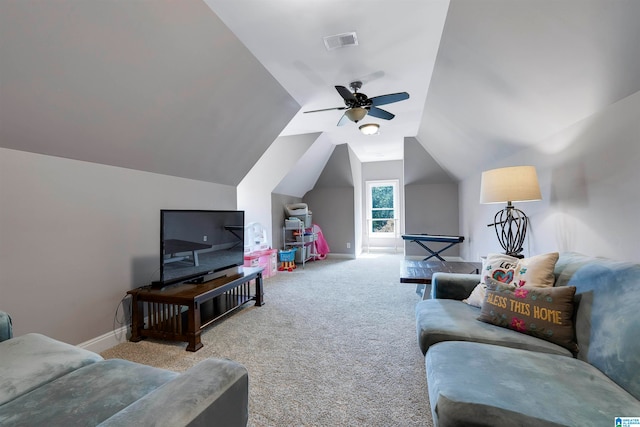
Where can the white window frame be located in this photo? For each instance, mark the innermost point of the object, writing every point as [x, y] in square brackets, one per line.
[396, 207]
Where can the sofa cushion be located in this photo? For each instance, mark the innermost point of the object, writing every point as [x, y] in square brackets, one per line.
[214, 392]
[86, 396]
[486, 385]
[30, 360]
[453, 285]
[545, 313]
[440, 320]
[607, 320]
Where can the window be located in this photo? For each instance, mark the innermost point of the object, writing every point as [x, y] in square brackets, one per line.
[382, 208]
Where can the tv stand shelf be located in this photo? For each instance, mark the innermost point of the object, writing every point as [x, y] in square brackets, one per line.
[180, 312]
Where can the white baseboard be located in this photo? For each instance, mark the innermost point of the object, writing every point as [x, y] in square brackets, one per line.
[106, 341]
[336, 255]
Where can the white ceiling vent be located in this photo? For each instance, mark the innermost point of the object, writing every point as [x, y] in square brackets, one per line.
[341, 40]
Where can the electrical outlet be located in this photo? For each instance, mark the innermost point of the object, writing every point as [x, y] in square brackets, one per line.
[348, 245]
[204, 238]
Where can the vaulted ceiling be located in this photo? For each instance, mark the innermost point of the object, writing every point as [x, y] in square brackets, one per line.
[511, 74]
[200, 88]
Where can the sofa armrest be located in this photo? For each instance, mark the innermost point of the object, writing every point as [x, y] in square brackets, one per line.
[6, 327]
[213, 392]
[453, 285]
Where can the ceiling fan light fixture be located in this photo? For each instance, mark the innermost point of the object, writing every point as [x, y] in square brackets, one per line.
[355, 114]
[370, 128]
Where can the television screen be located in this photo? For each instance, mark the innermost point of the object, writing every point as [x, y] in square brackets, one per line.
[196, 243]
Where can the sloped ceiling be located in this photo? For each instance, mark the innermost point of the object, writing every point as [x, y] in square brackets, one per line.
[159, 86]
[397, 45]
[337, 172]
[510, 74]
[420, 167]
[200, 88]
[303, 175]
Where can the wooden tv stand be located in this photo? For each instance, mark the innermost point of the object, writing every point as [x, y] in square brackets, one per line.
[180, 312]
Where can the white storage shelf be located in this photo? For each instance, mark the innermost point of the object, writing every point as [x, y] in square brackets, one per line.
[293, 237]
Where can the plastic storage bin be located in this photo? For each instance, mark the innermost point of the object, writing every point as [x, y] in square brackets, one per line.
[297, 209]
[292, 223]
[305, 238]
[303, 254]
[305, 219]
[267, 259]
[287, 259]
[288, 255]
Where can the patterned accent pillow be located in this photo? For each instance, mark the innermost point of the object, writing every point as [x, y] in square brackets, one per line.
[500, 267]
[545, 313]
[536, 271]
[477, 295]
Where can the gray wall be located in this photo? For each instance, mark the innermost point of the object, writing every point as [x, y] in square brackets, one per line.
[76, 236]
[278, 215]
[333, 212]
[431, 200]
[589, 179]
[431, 209]
[332, 202]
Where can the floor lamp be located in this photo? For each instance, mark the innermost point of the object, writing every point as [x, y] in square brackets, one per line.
[512, 184]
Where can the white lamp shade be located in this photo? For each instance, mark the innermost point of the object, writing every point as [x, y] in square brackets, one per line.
[512, 184]
[356, 114]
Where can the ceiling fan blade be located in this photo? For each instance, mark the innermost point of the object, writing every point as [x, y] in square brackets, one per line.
[388, 99]
[371, 77]
[345, 93]
[380, 113]
[326, 109]
[343, 120]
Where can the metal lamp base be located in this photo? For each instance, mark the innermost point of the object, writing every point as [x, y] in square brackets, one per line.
[511, 228]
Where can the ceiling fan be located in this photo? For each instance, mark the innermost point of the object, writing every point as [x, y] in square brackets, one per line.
[358, 105]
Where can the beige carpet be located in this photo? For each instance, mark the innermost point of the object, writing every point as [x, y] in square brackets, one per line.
[334, 345]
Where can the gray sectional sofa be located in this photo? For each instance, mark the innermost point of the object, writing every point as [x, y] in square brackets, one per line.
[45, 382]
[480, 374]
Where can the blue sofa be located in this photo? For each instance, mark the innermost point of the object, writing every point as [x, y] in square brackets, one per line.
[44, 382]
[484, 375]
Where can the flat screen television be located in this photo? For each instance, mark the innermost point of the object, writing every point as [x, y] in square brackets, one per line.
[199, 244]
